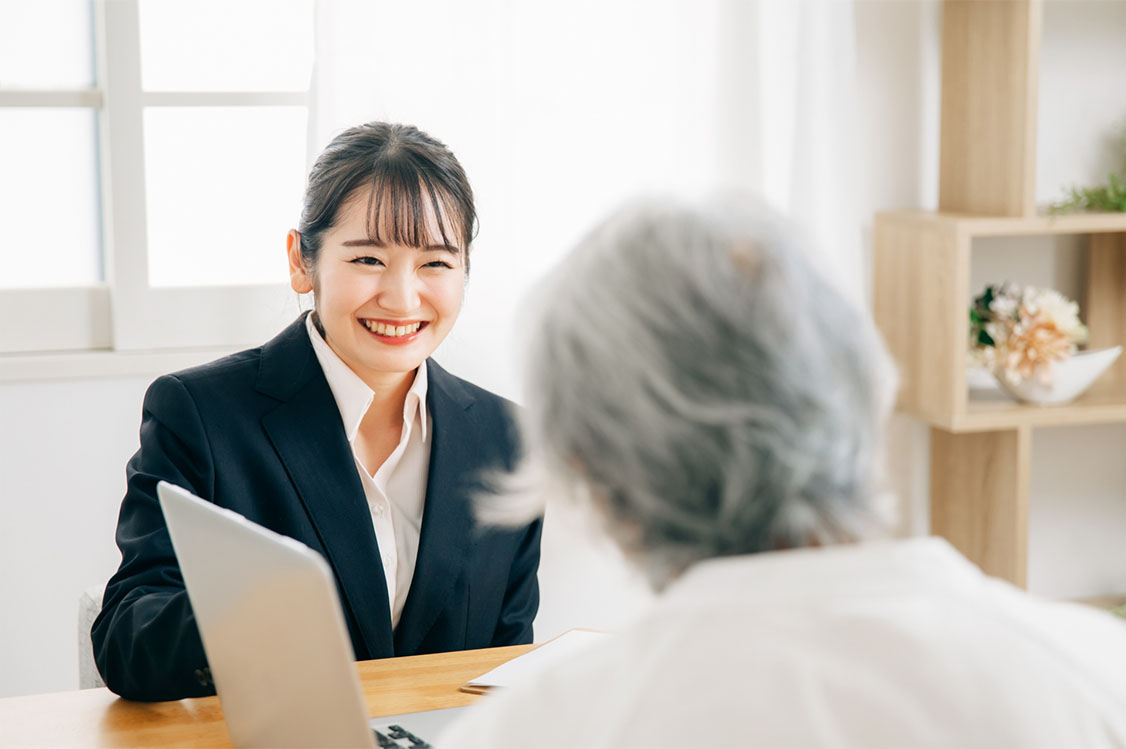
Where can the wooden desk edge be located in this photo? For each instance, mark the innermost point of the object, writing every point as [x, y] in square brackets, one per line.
[97, 717]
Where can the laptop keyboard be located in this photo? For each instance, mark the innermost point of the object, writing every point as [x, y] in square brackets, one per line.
[397, 737]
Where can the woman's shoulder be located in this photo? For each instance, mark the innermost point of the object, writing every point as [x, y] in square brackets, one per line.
[244, 368]
[217, 387]
[224, 373]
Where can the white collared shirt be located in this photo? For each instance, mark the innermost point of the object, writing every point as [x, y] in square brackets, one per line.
[879, 644]
[396, 490]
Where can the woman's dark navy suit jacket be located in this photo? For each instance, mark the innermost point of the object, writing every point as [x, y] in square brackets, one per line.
[259, 432]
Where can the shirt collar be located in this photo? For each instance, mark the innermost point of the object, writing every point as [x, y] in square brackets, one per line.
[354, 397]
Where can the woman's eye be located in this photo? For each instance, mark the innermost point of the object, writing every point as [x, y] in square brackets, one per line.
[367, 260]
[439, 264]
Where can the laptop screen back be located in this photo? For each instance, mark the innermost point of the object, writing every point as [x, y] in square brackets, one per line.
[267, 610]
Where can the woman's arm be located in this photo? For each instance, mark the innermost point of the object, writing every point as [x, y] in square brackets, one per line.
[522, 595]
[146, 642]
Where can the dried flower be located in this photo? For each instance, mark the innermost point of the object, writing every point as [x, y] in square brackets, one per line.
[1021, 333]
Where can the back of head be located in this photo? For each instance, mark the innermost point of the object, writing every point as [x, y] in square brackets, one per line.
[715, 396]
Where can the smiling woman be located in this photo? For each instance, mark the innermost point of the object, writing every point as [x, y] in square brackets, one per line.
[341, 432]
[405, 296]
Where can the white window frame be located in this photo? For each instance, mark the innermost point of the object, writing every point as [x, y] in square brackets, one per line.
[124, 313]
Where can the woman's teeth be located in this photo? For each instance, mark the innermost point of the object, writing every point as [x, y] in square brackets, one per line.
[392, 331]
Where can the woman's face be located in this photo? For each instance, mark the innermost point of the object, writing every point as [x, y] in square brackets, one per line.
[384, 308]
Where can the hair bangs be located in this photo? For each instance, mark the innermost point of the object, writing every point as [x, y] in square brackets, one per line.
[407, 208]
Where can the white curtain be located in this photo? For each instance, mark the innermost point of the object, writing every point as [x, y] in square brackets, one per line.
[788, 122]
[560, 111]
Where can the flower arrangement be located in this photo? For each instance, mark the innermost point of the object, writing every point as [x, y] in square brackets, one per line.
[1020, 333]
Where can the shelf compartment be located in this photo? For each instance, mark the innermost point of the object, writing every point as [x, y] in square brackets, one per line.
[922, 263]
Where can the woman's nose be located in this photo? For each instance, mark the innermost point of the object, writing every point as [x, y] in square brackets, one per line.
[398, 291]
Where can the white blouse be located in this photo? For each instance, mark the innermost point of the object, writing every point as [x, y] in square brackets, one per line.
[396, 490]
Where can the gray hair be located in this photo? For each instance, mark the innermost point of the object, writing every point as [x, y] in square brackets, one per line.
[694, 376]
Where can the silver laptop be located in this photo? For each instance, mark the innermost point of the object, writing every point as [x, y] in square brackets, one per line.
[274, 633]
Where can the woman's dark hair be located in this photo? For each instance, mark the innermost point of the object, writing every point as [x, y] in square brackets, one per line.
[406, 171]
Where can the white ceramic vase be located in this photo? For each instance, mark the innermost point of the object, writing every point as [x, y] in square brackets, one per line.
[1070, 378]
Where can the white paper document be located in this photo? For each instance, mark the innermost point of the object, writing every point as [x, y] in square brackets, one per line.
[543, 658]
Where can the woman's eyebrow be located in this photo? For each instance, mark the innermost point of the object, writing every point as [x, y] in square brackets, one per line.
[453, 249]
[443, 246]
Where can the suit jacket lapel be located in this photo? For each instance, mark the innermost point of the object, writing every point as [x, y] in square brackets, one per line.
[447, 521]
[307, 434]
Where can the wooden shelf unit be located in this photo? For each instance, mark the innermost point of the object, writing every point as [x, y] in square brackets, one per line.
[922, 295]
[981, 446]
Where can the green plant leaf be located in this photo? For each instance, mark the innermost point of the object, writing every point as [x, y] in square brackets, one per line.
[1108, 197]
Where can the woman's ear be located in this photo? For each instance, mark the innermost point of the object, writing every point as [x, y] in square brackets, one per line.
[300, 277]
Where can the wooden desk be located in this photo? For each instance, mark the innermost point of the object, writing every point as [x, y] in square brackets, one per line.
[97, 717]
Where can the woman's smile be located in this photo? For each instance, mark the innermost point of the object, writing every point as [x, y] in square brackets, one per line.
[394, 332]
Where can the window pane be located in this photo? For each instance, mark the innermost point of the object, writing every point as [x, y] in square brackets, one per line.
[224, 186]
[46, 44]
[49, 198]
[219, 45]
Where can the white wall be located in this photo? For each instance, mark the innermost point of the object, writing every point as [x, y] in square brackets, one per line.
[1077, 519]
[1082, 101]
[63, 448]
[898, 50]
[56, 541]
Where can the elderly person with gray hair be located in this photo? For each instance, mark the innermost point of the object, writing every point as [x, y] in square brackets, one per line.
[721, 407]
